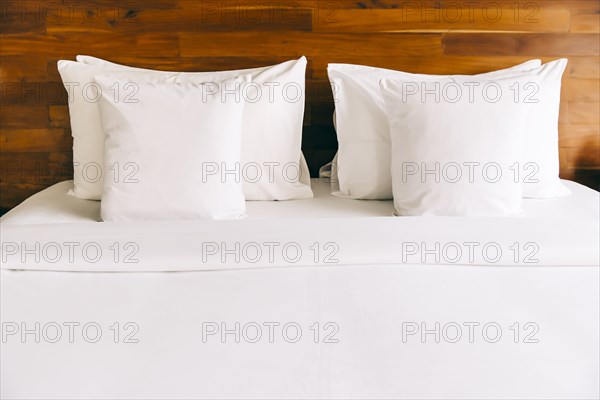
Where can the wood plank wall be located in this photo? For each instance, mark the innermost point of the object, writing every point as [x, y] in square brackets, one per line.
[461, 36]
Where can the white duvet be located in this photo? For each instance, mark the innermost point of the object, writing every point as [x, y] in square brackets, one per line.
[371, 307]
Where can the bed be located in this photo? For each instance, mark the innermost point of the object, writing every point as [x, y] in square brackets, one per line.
[372, 281]
[318, 298]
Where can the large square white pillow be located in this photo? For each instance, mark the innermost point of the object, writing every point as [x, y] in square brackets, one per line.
[457, 144]
[273, 167]
[362, 166]
[163, 145]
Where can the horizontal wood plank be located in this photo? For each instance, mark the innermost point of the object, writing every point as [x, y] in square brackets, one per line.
[32, 140]
[24, 116]
[454, 17]
[534, 44]
[295, 44]
[584, 113]
[39, 168]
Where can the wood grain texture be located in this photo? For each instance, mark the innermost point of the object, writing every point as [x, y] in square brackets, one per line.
[435, 37]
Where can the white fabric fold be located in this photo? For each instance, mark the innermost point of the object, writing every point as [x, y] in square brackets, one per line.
[217, 245]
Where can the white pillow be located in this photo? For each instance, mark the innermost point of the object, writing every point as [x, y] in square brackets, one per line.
[362, 170]
[457, 143]
[162, 147]
[273, 167]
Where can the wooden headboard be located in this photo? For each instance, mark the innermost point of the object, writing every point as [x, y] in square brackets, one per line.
[460, 36]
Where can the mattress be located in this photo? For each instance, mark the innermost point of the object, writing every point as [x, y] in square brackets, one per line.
[360, 305]
[56, 205]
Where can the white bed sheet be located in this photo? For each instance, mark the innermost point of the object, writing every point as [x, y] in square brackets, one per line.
[368, 304]
[55, 205]
[323, 231]
[371, 296]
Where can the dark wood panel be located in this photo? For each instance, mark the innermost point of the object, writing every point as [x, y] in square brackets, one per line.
[102, 45]
[584, 113]
[583, 90]
[458, 16]
[33, 93]
[11, 194]
[583, 67]
[39, 168]
[183, 17]
[59, 116]
[20, 68]
[579, 135]
[585, 20]
[535, 44]
[187, 35]
[23, 116]
[27, 140]
[295, 44]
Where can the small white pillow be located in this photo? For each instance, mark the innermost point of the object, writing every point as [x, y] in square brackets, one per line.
[362, 170]
[457, 144]
[163, 145]
[273, 166]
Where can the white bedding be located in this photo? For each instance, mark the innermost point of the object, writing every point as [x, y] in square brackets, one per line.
[55, 205]
[373, 294]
